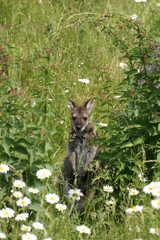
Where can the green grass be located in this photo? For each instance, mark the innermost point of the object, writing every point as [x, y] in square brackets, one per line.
[45, 47]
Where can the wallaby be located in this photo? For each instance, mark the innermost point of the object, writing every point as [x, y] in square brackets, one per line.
[80, 150]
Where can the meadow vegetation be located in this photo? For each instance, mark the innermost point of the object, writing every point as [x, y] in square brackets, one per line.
[48, 49]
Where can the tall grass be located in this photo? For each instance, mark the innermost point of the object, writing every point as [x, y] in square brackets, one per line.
[45, 47]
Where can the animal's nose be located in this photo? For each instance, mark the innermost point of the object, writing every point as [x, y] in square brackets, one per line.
[78, 128]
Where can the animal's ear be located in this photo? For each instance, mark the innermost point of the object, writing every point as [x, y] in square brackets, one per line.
[72, 104]
[89, 105]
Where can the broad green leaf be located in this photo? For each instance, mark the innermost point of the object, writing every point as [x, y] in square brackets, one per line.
[36, 207]
[139, 140]
[126, 145]
[21, 149]
[6, 148]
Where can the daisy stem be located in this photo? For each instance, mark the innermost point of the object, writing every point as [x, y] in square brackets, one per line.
[71, 209]
[42, 196]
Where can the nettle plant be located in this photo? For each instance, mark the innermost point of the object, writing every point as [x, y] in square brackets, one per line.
[26, 127]
[131, 141]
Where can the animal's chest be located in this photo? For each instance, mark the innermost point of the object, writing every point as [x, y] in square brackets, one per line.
[81, 148]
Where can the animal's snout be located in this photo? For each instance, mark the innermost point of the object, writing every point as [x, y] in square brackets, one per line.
[78, 128]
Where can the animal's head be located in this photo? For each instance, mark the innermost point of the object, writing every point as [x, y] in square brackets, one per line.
[80, 115]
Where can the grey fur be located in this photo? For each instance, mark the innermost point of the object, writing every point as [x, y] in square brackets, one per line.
[80, 151]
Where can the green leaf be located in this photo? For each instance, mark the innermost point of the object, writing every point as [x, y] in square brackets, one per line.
[158, 101]
[127, 144]
[48, 146]
[23, 142]
[6, 148]
[158, 156]
[137, 141]
[21, 149]
[36, 207]
[136, 112]
[153, 131]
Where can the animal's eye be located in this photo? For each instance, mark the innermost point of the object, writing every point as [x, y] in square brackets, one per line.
[85, 118]
[74, 118]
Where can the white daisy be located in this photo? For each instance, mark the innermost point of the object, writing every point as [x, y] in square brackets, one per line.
[133, 192]
[140, 0]
[138, 229]
[152, 230]
[47, 238]
[33, 190]
[117, 96]
[2, 235]
[38, 225]
[149, 188]
[156, 192]
[23, 202]
[103, 124]
[108, 189]
[133, 17]
[75, 194]
[19, 184]
[123, 65]
[109, 202]
[156, 203]
[141, 177]
[29, 236]
[155, 231]
[136, 208]
[4, 168]
[6, 213]
[25, 228]
[83, 229]
[43, 173]
[61, 207]
[33, 104]
[17, 194]
[84, 80]
[22, 217]
[52, 198]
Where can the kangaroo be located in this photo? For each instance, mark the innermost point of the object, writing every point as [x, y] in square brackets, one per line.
[79, 148]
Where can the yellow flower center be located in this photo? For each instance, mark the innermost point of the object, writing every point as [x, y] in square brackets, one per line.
[150, 189]
[156, 230]
[83, 230]
[23, 202]
[1, 168]
[52, 198]
[6, 214]
[133, 193]
[18, 185]
[158, 191]
[61, 208]
[134, 208]
[29, 238]
[75, 195]
[158, 202]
